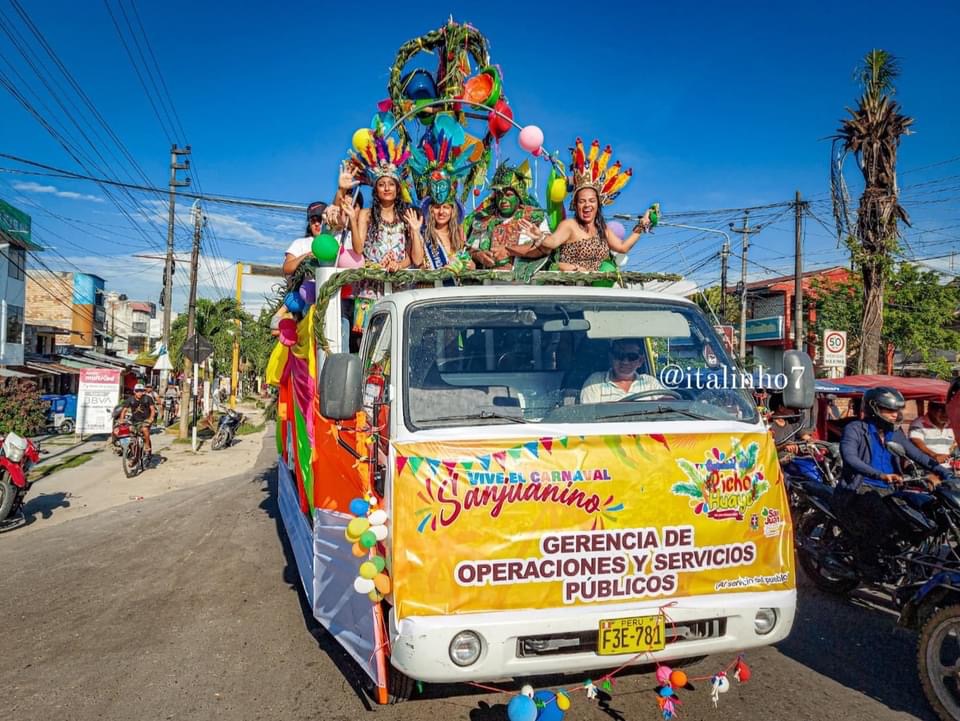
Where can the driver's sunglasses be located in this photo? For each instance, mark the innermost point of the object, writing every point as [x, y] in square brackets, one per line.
[629, 357]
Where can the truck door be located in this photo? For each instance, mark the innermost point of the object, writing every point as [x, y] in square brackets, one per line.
[377, 392]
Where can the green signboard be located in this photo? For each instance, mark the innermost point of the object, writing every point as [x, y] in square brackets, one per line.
[15, 223]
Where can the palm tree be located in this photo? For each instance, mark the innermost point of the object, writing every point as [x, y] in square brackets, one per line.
[872, 133]
[215, 321]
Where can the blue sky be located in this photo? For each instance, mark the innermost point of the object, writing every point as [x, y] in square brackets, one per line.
[715, 106]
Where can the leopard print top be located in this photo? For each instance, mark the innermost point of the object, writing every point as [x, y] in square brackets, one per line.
[588, 252]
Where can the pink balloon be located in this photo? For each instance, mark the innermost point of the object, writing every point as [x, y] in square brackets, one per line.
[531, 138]
[618, 229]
[288, 331]
[349, 259]
[663, 675]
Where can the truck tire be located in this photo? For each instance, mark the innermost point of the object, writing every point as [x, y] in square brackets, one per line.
[66, 428]
[939, 681]
[400, 688]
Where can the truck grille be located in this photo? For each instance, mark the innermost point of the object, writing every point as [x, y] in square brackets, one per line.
[586, 641]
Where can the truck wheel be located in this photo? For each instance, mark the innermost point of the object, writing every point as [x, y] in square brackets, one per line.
[8, 495]
[400, 688]
[938, 662]
[66, 428]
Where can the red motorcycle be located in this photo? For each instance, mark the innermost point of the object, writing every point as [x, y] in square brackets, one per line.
[17, 455]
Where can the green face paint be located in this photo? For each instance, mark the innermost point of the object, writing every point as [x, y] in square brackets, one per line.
[507, 203]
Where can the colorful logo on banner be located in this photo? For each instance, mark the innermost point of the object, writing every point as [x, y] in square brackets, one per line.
[725, 486]
[548, 522]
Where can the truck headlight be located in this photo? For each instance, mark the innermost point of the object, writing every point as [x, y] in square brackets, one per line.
[465, 648]
[764, 621]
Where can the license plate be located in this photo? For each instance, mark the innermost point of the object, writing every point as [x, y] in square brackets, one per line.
[631, 635]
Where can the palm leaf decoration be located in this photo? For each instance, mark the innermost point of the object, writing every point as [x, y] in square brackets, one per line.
[687, 489]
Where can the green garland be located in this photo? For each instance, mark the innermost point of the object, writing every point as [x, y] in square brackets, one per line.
[331, 288]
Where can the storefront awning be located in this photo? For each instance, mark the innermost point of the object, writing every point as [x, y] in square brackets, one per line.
[6, 372]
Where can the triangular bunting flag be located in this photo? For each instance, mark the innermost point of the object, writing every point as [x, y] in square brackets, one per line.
[500, 457]
[564, 441]
[401, 464]
[485, 462]
[467, 465]
[433, 463]
[533, 447]
[515, 453]
[547, 444]
[415, 462]
[450, 465]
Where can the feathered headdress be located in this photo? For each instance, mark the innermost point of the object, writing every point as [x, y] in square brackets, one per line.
[441, 160]
[379, 155]
[594, 171]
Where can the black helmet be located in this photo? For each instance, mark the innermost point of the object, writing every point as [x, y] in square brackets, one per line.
[888, 399]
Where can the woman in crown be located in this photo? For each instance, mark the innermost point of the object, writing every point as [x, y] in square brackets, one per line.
[585, 241]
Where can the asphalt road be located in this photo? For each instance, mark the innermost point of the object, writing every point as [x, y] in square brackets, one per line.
[186, 606]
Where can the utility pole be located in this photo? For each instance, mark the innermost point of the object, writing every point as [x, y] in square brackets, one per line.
[745, 231]
[175, 152]
[198, 220]
[798, 336]
[724, 256]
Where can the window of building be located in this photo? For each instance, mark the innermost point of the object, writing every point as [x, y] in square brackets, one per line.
[14, 323]
[17, 263]
[140, 327]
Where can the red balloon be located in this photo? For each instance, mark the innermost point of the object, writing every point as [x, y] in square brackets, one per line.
[499, 125]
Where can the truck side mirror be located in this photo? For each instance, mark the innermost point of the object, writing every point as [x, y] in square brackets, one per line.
[340, 391]
[798, 369]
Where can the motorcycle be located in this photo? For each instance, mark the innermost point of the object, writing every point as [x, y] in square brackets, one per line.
[17, 456]
[169, 406]
[130, 442]
[814, 465]
[926, 536]
[227, 428]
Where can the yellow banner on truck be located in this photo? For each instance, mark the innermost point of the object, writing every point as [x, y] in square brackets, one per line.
[567, 521]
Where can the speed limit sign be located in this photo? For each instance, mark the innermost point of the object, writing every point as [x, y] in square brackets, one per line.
[835, 348]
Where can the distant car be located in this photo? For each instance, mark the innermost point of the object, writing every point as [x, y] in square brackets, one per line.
[62, 413]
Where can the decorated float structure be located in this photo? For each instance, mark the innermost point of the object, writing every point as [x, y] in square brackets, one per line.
[459, 508]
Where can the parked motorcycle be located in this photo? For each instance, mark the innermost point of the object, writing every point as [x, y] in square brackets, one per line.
[17, 455]
[229, 423]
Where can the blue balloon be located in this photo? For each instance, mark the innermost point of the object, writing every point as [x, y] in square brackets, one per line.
[294, 302]
[359, 507]
[666, 691]
[549, 711]
[522, 708]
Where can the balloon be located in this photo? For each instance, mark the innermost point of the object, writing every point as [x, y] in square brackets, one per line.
[663, 675]
[379, 562]
[678, 679]
[521, 708]
[368, 570]
[294, 303]
[359, 507]
[499, 125]
[357, 527]
[361, 139]
[382, 583]
[358, 550]
[527, 690]
[563, 701]
[288, 332]
[363, 585]
[558, 191]
[308, 291]
[531, 138]
[325, 248]
[375, 596]
[378, 517]
[666, 692]
[379, 532]
[367, 538]
[621, 259]
[349, 259]
[549, 710]
[618, 230]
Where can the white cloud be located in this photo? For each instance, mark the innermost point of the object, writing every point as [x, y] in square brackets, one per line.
[31, 187]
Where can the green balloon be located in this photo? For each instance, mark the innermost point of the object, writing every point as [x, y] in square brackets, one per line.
[325, 248]
[368, 539]
[607, 266]
[379, 563]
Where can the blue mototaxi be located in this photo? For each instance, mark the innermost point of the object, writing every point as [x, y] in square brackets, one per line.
[61, 413]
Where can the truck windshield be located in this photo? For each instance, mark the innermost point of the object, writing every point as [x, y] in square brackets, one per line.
[488, 361]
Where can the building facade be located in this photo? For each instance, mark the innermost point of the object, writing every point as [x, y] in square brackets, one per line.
[71, 301]
[15, 241]
[130, 325]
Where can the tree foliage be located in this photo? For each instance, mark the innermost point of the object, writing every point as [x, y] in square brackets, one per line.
[215, 321]
[21, 409]
[917, 314]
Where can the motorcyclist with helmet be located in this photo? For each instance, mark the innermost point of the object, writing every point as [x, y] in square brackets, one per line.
[871, 471]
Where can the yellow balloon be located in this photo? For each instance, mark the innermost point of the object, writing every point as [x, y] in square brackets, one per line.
[558, 190]
[368, 570]
[356, 527]
[374, 596]
[361, 139]
[563, 701]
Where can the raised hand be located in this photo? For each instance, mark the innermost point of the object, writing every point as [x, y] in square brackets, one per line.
[531, 230]
[348, 176]
[413, 219]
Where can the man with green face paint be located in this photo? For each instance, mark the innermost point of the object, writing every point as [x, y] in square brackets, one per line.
[495, 236]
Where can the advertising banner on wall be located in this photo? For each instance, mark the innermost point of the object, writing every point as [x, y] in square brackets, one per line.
[98, 396]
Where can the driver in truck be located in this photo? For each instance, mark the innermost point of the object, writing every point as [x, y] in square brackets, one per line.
[624, 377]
